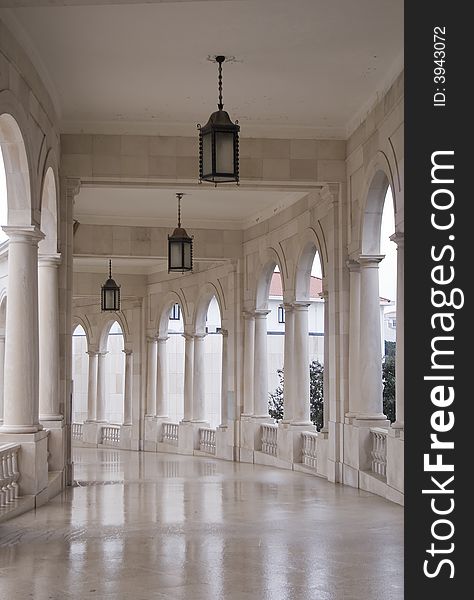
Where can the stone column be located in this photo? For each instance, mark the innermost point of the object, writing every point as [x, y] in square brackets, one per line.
[354, 338]
[21, 385]
[249, 354]
[151, 377]
[188, 376]
[301, 408]
[324, 295]
[370, 406]
[399, 239]
[224, 378]
[48, 308]
[162, 379]
[128, 387]
[198, 380]
[101, 386]
[260, 378]
[2, 373]
[288, 370]
[92, 386]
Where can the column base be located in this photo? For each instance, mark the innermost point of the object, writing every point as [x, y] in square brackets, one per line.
[21, 429]
[52, 417]
[371, 417]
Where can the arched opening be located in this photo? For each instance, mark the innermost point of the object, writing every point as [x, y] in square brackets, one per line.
[3, 198]
[388, 303]
[114, 375]
[175, 361]
[49, 221]
[213, 364]
[80, 375]
[3, 310]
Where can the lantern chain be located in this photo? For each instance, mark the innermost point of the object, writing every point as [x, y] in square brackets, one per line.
[220, 60]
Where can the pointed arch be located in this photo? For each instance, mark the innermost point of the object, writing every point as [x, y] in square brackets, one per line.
[49, 208]
[207, 292]
[105, 330]
[271, 259]
[162, 323]
[310, 245]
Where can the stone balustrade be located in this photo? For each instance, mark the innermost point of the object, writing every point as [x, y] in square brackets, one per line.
[207, 440]
[9, 473]
[111, 435]
[76, 431]
[269, 438]
[379, 451]
[170, 433]
[309, 450]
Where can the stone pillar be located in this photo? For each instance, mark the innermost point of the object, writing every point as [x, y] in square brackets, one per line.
[260, 378]
[188, 376]
[324, 296]
[21, 385]
[249, 354]
[101, 386]
[354, 338]
[2, 373]
[399, 239]
[162, 379]
[370, 406]
[198, 380]
[224, 378]
[128, 387]
[288, 370]
[301, 408]
[151, 377]
[48, 309]
[92, 386]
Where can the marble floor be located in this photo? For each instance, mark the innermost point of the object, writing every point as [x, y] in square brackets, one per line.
[140, 526]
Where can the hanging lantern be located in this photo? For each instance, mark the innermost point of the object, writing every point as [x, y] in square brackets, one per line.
[110, 294]
[180, 247]
[219, 144]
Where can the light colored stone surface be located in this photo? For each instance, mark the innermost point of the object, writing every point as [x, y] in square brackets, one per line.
[170, 527]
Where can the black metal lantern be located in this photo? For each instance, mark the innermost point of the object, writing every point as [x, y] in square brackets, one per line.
[180, 247]
[110, 294]
[219, 144]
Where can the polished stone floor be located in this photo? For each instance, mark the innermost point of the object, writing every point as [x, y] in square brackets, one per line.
[140, 526]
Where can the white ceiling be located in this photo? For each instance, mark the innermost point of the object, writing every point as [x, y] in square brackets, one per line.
[209, 207]
[303, 67]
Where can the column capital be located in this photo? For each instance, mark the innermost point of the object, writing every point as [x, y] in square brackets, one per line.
[127, 352]
[353, 265]
[151, 339]
[162, 340]
[369, 261]
[73, 186]
[262, 314]
[199, 336]
[301, 306]
[49, 260]
[187, 336]
[399, 238]
[92, 352]
[288, 306]
[248, 314]
[224, 332]
[102, 352]
[23, 233]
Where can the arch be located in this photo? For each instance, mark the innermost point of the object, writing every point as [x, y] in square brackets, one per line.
[378, 179]
[264, 278]
[17, 168]
[3, 312]
[84, 323]
[107, 324]
[49, 213]
[168, 302]
[207, 292]
[310, 245]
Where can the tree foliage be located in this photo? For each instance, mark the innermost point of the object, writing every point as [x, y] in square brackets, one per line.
[275, 403]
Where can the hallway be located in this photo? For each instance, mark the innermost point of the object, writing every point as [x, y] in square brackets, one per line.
[145, 526]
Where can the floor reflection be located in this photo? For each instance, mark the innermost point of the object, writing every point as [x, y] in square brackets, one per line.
[144, 526]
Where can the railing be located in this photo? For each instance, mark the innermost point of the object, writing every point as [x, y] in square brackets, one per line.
[207, 440]
[111, 435]
[170, 433]
[309, 451]
[76, 431]
[379, 451]
[9, 473]
[269, 438]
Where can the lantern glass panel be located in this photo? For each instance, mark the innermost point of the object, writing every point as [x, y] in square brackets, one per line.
[176, 255]
[109, 299]
[207, 153]
[187, 255]
[224, 152]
